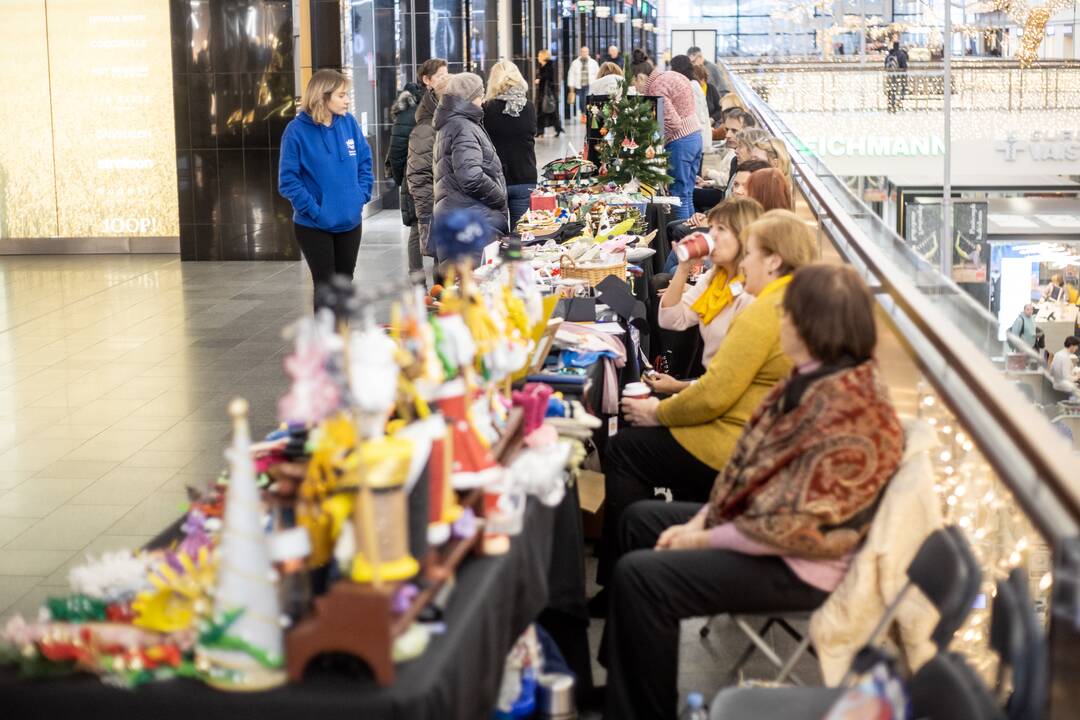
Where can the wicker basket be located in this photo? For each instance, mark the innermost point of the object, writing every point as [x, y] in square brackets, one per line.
[592, 274]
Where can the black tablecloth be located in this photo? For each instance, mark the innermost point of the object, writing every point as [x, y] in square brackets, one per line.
[457, 677]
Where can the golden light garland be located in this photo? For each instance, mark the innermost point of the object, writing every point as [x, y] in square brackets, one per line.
[1034, 21]
[974, 499]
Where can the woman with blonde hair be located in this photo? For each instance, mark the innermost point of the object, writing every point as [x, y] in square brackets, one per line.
[683, 441]
[717, 297]
[326, 175]
[607, 80]
[731, 100]
[547, 94]
[510, 120]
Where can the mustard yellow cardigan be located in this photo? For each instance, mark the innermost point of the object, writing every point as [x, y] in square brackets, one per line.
[708, 417]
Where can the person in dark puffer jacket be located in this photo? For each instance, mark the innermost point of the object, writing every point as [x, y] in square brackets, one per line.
[468, 172]
[403, 114]
[418, 169]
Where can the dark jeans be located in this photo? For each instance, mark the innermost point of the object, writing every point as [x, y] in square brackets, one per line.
[581, 93]
[543, 120]
[518, 198]
[636, 461]
[416, 258]
[651, 591]
[684, 158]
[328, 254]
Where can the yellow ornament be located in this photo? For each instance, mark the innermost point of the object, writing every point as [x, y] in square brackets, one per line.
[179, 597]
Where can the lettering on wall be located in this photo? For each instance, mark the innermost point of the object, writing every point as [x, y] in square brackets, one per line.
[877, 146]
[1041, 146]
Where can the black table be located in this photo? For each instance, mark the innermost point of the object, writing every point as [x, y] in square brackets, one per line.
[457, 677]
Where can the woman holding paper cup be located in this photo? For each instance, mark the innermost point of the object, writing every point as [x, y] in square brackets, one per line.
[717, 297]
[682, 442]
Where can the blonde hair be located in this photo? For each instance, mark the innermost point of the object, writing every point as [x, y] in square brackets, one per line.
[609, 68]
[780, 232]
[776, 153]
[779, 157]
[320, 87]
[503, 76]
[736, 214]
[544, 55]
[731, 100]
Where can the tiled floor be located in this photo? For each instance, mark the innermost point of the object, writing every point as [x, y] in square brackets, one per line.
[115, 372]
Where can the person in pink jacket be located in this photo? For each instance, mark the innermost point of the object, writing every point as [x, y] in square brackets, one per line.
[682, 134]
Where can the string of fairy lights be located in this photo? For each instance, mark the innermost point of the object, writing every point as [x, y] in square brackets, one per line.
[975, 499]
[1033, 20]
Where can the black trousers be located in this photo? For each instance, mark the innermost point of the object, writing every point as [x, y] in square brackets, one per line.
[706, 198]
[636, 461]
[328, 254]
[416, 258]
[651, 591]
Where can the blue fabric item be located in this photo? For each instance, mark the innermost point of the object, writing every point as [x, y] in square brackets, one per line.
[519, 198]
[553, 657]
[684, 158]
[460, 233]
[573, 358]
[325, 172]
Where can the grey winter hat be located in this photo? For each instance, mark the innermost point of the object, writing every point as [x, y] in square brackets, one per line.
[468, 86]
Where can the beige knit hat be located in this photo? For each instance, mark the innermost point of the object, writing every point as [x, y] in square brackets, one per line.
[468, 86]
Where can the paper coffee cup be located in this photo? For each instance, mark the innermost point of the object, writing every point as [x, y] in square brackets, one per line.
[636, 390]
[697, 245]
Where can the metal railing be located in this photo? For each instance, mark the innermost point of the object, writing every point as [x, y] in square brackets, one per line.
[976, 85]
[951, 338]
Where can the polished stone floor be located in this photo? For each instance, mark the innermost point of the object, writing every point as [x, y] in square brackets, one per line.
[115, 372]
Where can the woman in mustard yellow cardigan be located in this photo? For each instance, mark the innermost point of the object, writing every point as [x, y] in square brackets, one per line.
[682, 442]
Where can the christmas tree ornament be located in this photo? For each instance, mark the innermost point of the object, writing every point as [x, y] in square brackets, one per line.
[241, 647]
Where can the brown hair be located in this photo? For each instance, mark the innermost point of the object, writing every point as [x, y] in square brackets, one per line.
[736, 214]
[320, 87]
[700, 73]
[770, 188]
[833, 312]
[429, 67]
[608, 68]
[780, 232]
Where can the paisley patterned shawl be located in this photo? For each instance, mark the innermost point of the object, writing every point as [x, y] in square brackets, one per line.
[808, 481]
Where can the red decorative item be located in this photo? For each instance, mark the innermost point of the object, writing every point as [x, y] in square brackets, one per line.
[543, 201]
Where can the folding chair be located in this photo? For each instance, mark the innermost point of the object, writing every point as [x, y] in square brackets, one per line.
[1017, 638]
[946, 572]
[757, 638]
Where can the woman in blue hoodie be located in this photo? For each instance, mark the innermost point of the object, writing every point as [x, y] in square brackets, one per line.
[325, 172]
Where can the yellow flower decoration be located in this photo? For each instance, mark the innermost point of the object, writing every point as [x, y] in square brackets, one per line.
[179, 597]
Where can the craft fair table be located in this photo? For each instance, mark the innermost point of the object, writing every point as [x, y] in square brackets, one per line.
[457, 677]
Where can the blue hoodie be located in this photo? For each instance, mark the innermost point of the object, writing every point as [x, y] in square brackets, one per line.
[325, 172]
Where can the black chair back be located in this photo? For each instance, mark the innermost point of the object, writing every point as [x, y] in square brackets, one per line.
[945, 688]
[1030, 664]
[1007, 639]
[946, 571]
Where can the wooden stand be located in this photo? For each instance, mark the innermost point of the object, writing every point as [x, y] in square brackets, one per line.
[358, 620]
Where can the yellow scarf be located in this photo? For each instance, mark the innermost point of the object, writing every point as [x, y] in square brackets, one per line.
[778, 284]
[716, 297]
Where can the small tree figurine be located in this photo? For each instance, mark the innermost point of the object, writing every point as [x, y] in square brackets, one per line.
[633, 144]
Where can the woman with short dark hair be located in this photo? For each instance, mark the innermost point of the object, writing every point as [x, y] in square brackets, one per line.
[785, 515]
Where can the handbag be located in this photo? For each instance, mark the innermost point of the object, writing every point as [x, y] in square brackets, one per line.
[549, 105]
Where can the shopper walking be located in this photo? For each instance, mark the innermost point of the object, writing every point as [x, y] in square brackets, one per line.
[614, 56]
[418, 172]
[325, 173]
[510, 119]
[716, 76]
[547, 95]
[896, 65]
[682, 135]
[403, 115]
[579, 77]
[1024, 326]
[467, 169]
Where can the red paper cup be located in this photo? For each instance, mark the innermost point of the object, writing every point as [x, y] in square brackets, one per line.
[697, 245]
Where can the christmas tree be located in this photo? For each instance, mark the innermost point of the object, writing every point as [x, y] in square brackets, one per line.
[633, 147]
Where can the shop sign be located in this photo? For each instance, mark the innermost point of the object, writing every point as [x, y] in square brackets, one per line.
[1041, 146]
[877, 146]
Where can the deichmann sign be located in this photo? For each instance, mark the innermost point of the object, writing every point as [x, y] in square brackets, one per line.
[1041, 147]
[876, 146]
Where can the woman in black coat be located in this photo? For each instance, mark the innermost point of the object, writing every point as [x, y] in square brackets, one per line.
[547, 95]
[510, 120]
[467, 169]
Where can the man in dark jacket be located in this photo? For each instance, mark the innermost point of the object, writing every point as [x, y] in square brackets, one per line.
[467, 168]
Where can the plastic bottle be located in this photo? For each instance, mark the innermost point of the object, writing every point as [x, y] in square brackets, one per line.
[695, 708]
